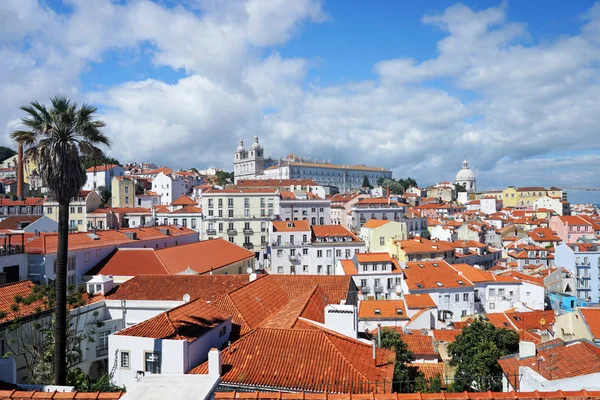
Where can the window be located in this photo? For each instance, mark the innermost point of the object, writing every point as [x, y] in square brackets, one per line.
[305, 252]
[72, 223]
[71, 263]
[280, 270]
[220, 201]
[463, 313]
[184, 222]
[125, 359]
[246, 213]
[492, 292]
[319, 269]
[86, 257]
[72, 210]
[382, 241]
[220, 227]
[319, 253]
[152, 362]
[175, 221]
[492, 306]
[210, 213]
[377, 282]
[220, 213]
[292, 252]
[49, 210]
[457, 297]
[79, 222]
[347, 253]
[329, 253]
[374, 267]
[230, 201]
[365, 268]
[279, 253]
[384, 266]
[465, 296]
[126, 199]
[305, 268]
[193, 223]
[231, 239]
[246, 202]
[363, 283]
[222, 331]
[500, 292]
[304, 239]
[126, 189]
[79, 210]
[338, 253]
[230, 213]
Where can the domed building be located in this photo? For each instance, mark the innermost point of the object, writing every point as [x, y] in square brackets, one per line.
[466, 178]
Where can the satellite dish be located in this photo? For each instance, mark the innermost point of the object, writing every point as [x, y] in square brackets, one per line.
[186, 298]
[249, 270]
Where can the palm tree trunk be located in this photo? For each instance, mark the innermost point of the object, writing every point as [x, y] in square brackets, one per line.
[60, 328]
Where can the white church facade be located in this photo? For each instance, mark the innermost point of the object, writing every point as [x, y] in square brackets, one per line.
[251, 164]
[466, 178]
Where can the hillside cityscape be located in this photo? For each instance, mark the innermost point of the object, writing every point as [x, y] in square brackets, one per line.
[283, 201]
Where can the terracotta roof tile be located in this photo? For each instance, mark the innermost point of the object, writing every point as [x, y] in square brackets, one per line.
[14, 394]
[7, 299]
[28, 201]
[324, 231]
[556, 361]
[348, 267]
[429, 370]
[173, 287]
[187, 210]
[100, 168]
[184, 201]
[275, 182]
[291, 226]
[382, 309]
[13, 221]
[446, 335]
[419, 344]
[323, 360]
[375, 223]
[592, 318]
[186, 322]
[433, 275]
[419, 300]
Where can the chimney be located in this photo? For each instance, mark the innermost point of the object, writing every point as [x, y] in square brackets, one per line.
[526, 349]
[379, 335]
[374, 353]
[20, 171]
[214, 362]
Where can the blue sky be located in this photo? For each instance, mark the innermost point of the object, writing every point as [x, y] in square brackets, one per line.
[410, 85]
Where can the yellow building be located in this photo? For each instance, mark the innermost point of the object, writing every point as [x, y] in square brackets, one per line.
[578, 324]
[526, 196]
[123, 192]
[82, 204]
[490, 193]
[379, 235]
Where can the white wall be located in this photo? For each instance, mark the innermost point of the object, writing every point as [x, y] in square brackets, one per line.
[44, 224]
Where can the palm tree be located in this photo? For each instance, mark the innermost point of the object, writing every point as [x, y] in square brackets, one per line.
[57, 138]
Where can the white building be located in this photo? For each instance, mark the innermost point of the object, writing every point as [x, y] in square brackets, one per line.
[102, 175]
[377, 275]
[375, 208]
[552, 203]
[466, 178]
[453, 293]
[169, 187]
[241, 216]
[583, 261]
[251, 164]
[302, 205]
[298, 248]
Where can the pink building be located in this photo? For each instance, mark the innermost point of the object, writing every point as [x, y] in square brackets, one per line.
[571, 228]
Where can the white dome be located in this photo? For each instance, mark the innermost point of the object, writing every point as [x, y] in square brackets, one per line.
[465, 175]
[241, 146]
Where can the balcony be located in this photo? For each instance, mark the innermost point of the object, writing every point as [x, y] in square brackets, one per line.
[248, 231]
[232, 232]
[211, 231]
[10, 251]
[101, 349]
[248, 245]
[378, 289]
[295, 257]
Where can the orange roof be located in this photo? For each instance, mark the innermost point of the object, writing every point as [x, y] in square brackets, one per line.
[333, 231]
[9, 291]
[239, 190]
[13, 221]
[187, 210]
[173, 287]
[274, 182]
[379, 200]
[373, 257]
[433, 275]
[310, 305]
[419, 344]
[592, 319]
[348, 267]
[28, 201]
[530, 320]
[375, 223]
[323, 360]
[543, 235]
[524, 277]
[477, 275]
[47, 242]
[184, 201]
[419, 300]
[573, 220]
[557, 395]
[446, 335]
[21, 394]
[429, 370]
[555, 361]
[287, 195]
[291, 226]
[201, 257]
[100, 168]
[382, 309]
[415, 246]
[186, 322]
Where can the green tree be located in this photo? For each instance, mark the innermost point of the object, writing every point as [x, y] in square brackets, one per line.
[57, 138]
[365, 182]
[476, 352]
[391, 340]
[459, 188]
[105, 195]
[89, 162]
[6, 153]
[223, 178]
[431, 385]
[194, 170]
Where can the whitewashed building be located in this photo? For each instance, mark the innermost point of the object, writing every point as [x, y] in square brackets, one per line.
[102, 175]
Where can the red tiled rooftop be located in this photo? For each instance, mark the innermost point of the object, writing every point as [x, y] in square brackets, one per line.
[186, 322]
[184, 201]
[382, 310]
[100, 168]
[446, 335]
[375, 223]
[433, 275]
[592, 319]
[291, 226]
[7, 299]
[419, 300]
[419, 344]
[323, 360]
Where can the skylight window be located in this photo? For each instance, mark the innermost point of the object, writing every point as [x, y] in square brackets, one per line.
[421, 266]
[420, 286]
[399, 312]
[439, 283]
[460, 282]
[377, 311]
[435, 264]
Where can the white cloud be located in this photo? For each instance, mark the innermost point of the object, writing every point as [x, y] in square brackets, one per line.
[517, 109]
